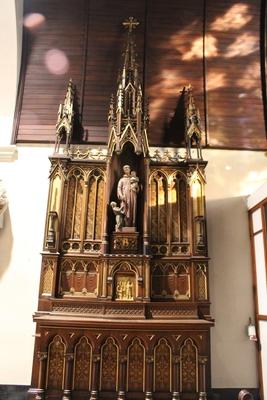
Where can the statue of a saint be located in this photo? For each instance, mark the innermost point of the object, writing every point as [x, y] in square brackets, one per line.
[128, 188]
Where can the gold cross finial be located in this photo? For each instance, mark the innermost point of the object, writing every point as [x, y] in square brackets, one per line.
[131, 23]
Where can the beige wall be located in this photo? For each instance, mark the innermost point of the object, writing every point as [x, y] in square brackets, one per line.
[231, 176]
[10, 43]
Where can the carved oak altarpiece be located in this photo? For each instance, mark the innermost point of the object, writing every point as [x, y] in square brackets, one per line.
[124, 307]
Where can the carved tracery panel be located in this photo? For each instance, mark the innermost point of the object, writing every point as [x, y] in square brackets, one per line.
[55, 365]
[74, 204]
[82, 365]
[158, 208]
[171, 281]
[162, 366]
[78, 278]
[95, 206]
[189, 366]
[201, 279]
[109, 366]
[136, 366]
[47, 276]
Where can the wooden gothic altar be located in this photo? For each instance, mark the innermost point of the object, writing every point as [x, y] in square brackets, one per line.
[124, 309]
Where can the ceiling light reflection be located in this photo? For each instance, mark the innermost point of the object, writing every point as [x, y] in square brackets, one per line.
[235, 18]
[197, 48]
[56, 62]
[244, 45]
[34, 21]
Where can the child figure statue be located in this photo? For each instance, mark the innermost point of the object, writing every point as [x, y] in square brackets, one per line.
[134, 181]
[119, 215]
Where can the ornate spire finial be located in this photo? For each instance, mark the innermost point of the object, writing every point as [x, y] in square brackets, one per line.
[64, 125]
[130, 120]
[193, 131]
[130, 23]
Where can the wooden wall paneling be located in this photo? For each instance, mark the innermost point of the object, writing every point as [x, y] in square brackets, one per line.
[170, 44]
[235, 108]
[174, 58]
[263, 55]
[55, 55]
[105, 46]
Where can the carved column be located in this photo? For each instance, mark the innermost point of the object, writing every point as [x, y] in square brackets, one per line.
[95, 377]
[39, 392]
[145, 221]
[122, 378]
[106, 205]
[176, 378]
[149, 377]
[104, 279]
[68, 376]
[202, 377]
[147, 280]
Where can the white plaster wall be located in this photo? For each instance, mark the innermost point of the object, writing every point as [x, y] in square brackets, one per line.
[26, 183]
[231, 176]
[10, 45]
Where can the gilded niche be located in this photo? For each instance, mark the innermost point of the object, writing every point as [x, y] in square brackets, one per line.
[169, 211]
[125, 287]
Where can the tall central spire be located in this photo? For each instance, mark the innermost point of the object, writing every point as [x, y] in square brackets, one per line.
[127, 118]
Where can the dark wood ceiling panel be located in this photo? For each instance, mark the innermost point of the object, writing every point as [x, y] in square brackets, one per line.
[172, 39]
[105, 46]
[172, 32]
[235, 108]
[55, 52]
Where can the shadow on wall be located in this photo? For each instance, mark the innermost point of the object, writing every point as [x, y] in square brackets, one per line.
[13, 392]
[6, 243]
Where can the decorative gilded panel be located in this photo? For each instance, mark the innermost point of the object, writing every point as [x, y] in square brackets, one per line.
[109, 366]
[162, 367]
[70, 207]
[158, 208]
[74, 205]
[55, 194]
[95, 206]
[125, 286]
[82, 365]
[55, 365]
[47, 276]
[99, 209]
[136, 367]
[189, 366]
[178, 200]
[198, 197]
[201, 278]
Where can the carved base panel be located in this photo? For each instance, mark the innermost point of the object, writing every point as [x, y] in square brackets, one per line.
[124, 243]
[124, 309]
[91, 359]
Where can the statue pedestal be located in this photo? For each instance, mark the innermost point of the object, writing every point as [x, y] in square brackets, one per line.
[125, 241]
